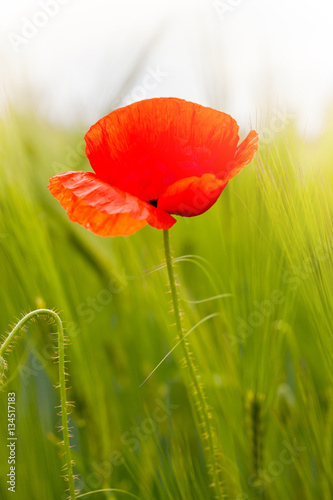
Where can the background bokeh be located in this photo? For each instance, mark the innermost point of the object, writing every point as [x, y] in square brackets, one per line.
[77, 59]
[260, 260]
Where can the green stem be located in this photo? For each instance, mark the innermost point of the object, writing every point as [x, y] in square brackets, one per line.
[62, 382]
[199, 395]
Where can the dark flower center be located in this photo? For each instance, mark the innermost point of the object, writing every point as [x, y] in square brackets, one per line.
[153, 202]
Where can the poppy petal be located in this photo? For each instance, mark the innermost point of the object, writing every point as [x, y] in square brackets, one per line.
[191, 196]
[104, 209]
[146, 147]
[243, 156]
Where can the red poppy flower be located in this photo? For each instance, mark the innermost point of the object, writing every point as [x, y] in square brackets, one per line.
[151, 159]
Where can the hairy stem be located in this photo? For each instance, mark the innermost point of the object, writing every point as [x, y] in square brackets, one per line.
[62, 382]
[200, 402]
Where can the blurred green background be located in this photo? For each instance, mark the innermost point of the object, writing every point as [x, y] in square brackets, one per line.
[265, 360]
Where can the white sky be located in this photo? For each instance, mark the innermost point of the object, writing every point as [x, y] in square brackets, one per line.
[79, 58]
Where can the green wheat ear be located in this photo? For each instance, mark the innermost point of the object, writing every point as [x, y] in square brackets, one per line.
[62, 381]
[255, 422]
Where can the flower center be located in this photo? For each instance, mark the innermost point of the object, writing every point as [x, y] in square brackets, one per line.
[153, 202]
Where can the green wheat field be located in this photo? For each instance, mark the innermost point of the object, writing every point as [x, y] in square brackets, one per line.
[256, 271]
